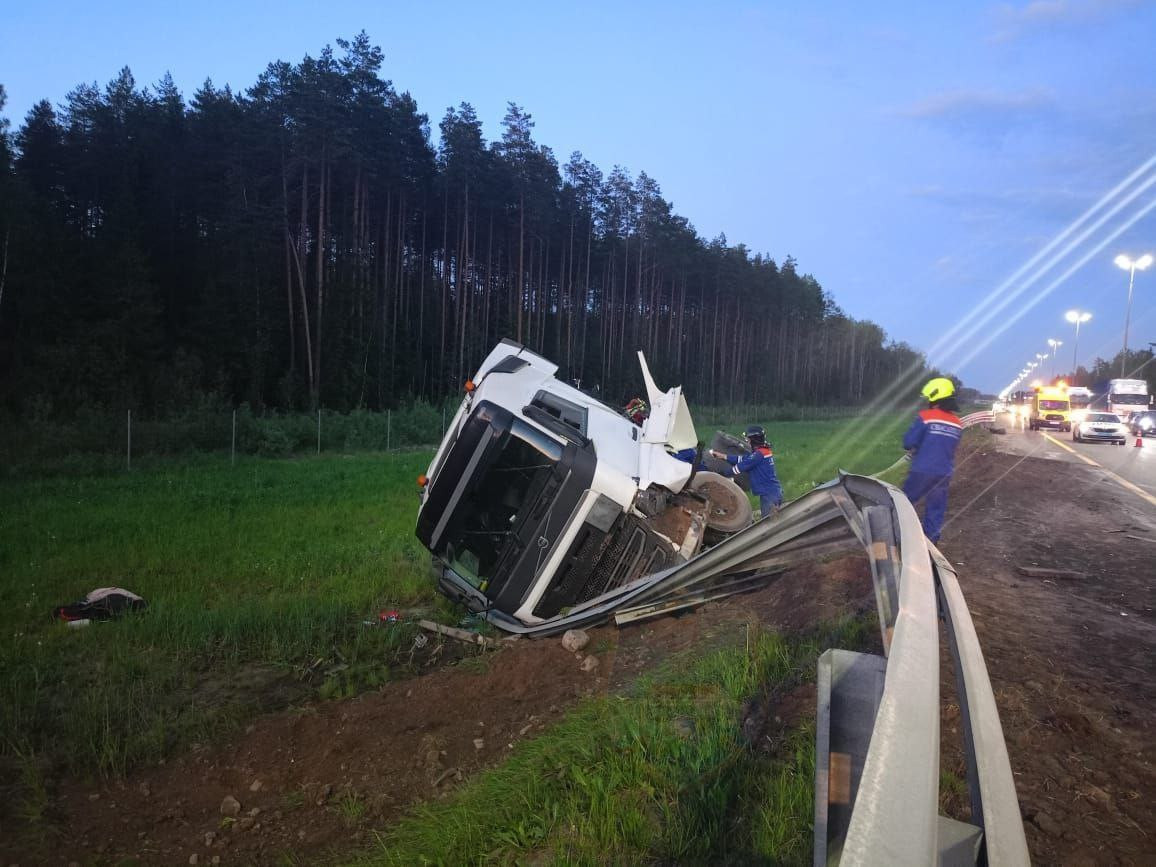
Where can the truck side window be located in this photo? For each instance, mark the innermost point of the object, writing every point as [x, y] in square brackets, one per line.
[570, 414]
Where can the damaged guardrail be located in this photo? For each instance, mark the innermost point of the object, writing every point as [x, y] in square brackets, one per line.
[877, 750]
[877, 743]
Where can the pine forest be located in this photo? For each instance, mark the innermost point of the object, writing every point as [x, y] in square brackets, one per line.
[314, 241]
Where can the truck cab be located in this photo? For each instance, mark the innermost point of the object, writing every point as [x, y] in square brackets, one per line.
[540, 497]
[1127, 396]
[1080, 399]
[1020, 405]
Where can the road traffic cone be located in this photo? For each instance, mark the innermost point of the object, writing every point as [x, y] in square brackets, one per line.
[1139, 441]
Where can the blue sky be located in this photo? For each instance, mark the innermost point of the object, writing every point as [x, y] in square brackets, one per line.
[911, 156]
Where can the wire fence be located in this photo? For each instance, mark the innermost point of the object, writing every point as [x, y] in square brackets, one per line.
[128, 435]
[123, 437]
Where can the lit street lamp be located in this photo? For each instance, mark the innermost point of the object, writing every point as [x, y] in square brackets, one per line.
[1054, 344]
[1078, 317]
[1131, 266]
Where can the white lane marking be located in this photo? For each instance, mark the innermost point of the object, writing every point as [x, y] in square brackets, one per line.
[1122, 482]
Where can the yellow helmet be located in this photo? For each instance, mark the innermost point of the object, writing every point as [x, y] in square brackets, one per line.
[938, 389]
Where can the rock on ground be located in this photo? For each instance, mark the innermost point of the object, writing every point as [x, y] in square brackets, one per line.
[575, 639]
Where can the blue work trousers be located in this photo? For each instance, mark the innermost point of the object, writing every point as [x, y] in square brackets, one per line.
[767, 503]
[933, 489]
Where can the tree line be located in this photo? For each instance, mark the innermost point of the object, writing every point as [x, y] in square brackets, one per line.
[1139, 364]
[307, 242]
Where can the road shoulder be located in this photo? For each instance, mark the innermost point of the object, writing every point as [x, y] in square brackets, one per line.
[1070, 658]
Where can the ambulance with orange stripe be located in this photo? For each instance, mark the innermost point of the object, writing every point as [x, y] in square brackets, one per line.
[1051, 407]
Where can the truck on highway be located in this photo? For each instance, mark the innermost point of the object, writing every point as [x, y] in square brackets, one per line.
[1122, 396]
[1051, 408]
[541, 497]
[1080, 399]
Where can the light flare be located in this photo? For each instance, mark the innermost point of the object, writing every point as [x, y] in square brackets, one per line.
[898, 394]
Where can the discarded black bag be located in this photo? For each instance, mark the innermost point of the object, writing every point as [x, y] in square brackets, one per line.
[105, 603]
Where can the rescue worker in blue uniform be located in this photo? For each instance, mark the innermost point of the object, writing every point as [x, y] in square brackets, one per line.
[759, 464]
[932, 440]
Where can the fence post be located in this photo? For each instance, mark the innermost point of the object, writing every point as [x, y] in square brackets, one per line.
[388, 424]
[233, 444]
[128, 443]
[318, 430]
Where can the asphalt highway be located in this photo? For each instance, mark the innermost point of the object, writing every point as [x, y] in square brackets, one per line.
[1134, 467]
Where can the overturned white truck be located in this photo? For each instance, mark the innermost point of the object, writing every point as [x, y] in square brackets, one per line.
[545, 510]
[541, 498]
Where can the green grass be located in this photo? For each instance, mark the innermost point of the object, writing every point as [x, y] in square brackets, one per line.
[350, 807]
[808, 453]
[659, 776]
[258, 579]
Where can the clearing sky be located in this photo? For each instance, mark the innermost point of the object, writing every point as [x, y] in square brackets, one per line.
[913, 158]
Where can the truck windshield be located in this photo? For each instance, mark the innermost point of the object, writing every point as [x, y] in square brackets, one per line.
[1053, 404]
[1130, 399]
[490, 511]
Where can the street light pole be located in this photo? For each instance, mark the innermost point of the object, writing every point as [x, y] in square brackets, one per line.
[1131, 266]
[1055, 345]
[1078, 317]
[1127, 317]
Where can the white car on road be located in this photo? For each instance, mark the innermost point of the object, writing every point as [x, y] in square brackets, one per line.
[1100, 427]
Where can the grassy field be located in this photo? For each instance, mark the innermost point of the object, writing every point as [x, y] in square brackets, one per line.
[259, 578]
[661, 776]
[253, 574]
[808, 453]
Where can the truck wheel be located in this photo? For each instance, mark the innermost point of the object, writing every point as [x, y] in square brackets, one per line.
[730, 510]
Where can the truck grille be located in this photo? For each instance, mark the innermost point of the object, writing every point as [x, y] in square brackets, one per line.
[635, 552]
[603, 570]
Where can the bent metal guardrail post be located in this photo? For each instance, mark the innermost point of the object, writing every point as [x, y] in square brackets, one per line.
[877, 743]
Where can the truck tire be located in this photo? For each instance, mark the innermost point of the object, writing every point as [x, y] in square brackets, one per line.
[730, 510]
